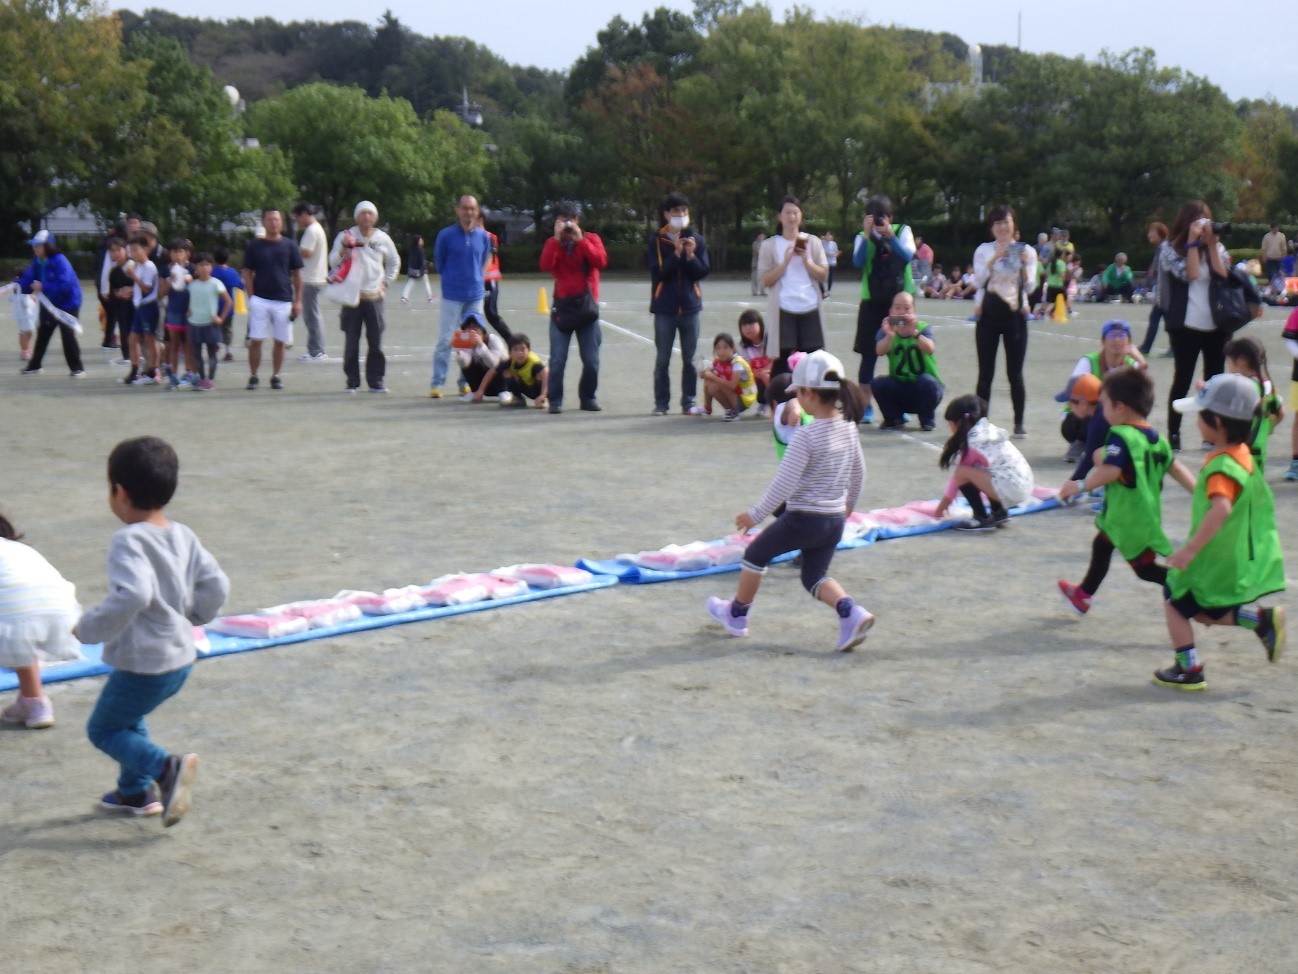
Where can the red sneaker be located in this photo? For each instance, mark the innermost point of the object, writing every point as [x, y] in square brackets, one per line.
[1075, 597]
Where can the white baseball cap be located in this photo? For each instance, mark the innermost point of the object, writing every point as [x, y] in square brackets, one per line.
[1227, 394]
[42, 237]
[818, 370]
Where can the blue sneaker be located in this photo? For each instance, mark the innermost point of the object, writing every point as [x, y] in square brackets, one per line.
[145, 803]
[719, 609]
[1292, 473]
[868, 415]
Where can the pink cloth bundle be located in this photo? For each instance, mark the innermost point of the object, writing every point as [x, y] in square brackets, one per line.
[546, 576]
[320, 613]
[270, 626]
[201, 642]
[391, 602]
[499, 586]
[453, 590]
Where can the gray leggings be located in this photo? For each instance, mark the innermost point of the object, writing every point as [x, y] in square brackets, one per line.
[815, 534]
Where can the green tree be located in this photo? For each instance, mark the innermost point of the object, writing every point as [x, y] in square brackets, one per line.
[540, 162]
[345, 146]
[664, 39]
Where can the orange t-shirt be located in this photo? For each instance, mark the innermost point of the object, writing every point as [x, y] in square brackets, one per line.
[1219, 485]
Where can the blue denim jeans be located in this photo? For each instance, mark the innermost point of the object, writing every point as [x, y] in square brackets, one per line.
[588, 341]
[666, 328]
[896, 397]
[116, 725]
[449, 319]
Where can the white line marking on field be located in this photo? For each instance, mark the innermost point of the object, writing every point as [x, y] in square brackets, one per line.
[628, 331]
[915, 439]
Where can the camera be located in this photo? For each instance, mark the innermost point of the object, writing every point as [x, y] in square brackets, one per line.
[1221, 229]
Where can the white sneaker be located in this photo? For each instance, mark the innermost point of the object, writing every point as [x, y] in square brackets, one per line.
[506, 398]
[32, 712]
[467, 397]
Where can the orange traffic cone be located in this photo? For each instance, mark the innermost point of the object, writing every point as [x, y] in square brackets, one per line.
[1060, 314]
[542, 303]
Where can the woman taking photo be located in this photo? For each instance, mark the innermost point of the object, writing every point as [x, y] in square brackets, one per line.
[1004, 271]
[51, 276]
[791, 266]
[1186, 263]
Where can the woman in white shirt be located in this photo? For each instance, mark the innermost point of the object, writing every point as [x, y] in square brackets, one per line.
[1187, 264]
[1004, 271]
[791, 266]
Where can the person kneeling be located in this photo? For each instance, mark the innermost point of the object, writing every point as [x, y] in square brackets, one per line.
[912, 384]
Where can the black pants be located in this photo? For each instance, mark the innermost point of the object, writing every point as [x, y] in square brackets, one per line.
[1000, 323]
[44, 332]
[120, 311]
[816, 535]
[1187, 346]
[491, 308]
[1155, 316]
[869, 319]
[367, 316]
[1102, 550]
[475, 372]
[1124, 291]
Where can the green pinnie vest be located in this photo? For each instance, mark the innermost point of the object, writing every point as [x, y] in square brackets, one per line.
[1132, 514]
[908, 286]
[907, 361]
[1242, 562]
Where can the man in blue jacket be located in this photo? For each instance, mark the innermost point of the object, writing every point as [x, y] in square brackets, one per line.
[678, 260]
[460, 253]
[52, 280]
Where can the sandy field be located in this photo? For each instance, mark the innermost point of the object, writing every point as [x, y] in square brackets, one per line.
[605, 782]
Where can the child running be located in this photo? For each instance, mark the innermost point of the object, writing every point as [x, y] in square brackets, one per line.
[1247, 357]
[728, 380]
[1233, 555]
[161, 583]
[38, 609]
[987, 463]
[819, 480]
[1134, 461]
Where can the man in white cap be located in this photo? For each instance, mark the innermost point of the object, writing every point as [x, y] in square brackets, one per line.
[377, 263]
[272, 276]
[460, 253]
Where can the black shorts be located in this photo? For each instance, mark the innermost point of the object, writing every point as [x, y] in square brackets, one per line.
[801, 332]
[1188, 607]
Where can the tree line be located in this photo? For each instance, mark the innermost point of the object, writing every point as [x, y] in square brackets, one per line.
[729, 104]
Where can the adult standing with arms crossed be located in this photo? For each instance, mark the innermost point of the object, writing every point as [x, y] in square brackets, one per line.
[574, 258]
[379, 264]
[315, 275]
[792, 267]
[1005, 271]
[883, 250]
[678, 260]
[272, 276]
[460, 254]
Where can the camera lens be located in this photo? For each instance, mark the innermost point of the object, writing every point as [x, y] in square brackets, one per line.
[1221, 229]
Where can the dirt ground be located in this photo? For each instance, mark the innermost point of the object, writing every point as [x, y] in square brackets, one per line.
[606, 783]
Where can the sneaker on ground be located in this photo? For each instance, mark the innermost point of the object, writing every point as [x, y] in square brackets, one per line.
[1174, 676]
[143, 380]
[253, 382]
[1075, 451]
[1001, 518]
[1271, 632]
[928, 427]
[732, 415]
[505, 398]
[893, 426]
[204, 385]
[853, 630]
[145, 803]
[434, 393]
[174, 786]
[761, 411]
[692, 410]
[555, 409]
[306, 357]
[276, 382]
[1078, 600]
[34, 713]
[188, 379]
[987, 523]
[1019, 431]
[594, 407]
[30, 371]
[466, 397]
[868, 416]
[464, 388]
[719, 609]
[378, 390]
[1292, 473]
[77, 374]
[228, 357]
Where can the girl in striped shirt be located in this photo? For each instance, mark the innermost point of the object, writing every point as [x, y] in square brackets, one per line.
[818, 482]
[38, 609]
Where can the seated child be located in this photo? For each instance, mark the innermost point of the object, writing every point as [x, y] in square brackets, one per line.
[987, 463]
[752, 349]
[526, 375]
[480, 356]
[1232, 557]
[728, 380]
[935, 286]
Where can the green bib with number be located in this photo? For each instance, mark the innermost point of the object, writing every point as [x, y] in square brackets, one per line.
[907, 361]
[1132, 514]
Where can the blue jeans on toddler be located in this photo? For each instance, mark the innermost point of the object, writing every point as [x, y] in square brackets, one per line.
[116, 725]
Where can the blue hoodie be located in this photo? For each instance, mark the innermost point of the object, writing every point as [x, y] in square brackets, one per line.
[57, 279]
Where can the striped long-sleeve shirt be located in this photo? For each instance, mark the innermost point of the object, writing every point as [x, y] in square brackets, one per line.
[822, 472]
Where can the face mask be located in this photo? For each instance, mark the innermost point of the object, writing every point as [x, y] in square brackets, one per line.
[679, 222]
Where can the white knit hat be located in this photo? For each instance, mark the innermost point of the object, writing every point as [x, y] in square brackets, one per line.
[364, 205]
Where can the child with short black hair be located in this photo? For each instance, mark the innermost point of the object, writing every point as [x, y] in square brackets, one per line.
[526, 376]
[1132, 464]
[728, 380]
[819, 482]
[117, 305]
[176, 322]
[987, 463]
[144, 321]
[1233, 556]
[161, 583]
[752, 349]
[209, 307]
[1247, 357]
[233, 281]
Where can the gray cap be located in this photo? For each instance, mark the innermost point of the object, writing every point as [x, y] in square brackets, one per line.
[1229, 395]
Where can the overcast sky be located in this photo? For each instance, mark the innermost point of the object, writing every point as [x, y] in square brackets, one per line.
[1228, 45]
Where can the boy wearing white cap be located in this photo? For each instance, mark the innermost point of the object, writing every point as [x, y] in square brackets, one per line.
[378, 264]
[818, 483]
[1233, 555]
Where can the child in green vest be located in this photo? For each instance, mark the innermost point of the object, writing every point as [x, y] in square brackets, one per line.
[1233, 556]
[1247, 357]
[1130, 466]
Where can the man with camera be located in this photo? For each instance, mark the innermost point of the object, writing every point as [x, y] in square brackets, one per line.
[912, 384]
[574, 258]
[678, 260]
[460, 253]
[883, 250]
